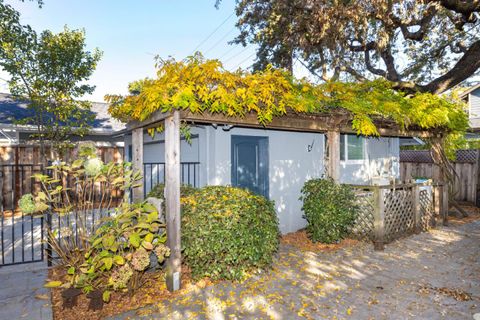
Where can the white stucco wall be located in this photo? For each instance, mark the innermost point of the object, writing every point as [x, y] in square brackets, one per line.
[290, 163]
[382, 160]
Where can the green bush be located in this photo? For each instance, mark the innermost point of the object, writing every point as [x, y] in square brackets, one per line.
[227, 232]
[329, 208]
[158, 190]
[120, 251]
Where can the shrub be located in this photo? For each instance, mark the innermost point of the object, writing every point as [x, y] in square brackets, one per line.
[329, 209]
[158, 190]
[227, 232]
[121, 250]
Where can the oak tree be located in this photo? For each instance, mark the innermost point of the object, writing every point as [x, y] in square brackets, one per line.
[417, 45]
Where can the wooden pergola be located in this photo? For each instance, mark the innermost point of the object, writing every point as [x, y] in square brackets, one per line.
[332, 124]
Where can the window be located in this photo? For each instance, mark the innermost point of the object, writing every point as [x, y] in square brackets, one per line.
[352, 147]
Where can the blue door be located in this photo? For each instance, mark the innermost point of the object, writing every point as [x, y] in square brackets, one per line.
[250, 163]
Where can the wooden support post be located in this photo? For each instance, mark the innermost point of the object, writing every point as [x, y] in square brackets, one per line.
[172, 199]
[379, 219]
[445, 204]
[417, 214]
[333, 155]
[137, 162]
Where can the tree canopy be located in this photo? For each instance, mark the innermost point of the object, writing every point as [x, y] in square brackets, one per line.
[49, 70]
[199, 85]
[417, 45]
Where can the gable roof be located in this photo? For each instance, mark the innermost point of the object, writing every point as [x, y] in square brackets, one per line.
[465, 93]
[12, 110]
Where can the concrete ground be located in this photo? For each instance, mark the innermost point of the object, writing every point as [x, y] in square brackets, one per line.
[22, 295]
[420, 277]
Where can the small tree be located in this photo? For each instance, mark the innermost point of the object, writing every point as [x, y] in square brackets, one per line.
[49, 70]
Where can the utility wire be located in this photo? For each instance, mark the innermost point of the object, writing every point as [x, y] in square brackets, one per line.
[238, 65]
[237, 54]
[212, 33]
[220, 41]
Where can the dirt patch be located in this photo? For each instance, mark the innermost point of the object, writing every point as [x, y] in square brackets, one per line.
[301, 241]
[153, 292]
[473, 215]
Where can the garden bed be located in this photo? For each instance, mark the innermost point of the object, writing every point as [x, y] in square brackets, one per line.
[154, 291]
[300, 240]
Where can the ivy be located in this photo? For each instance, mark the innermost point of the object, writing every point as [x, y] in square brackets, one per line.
[199, 85]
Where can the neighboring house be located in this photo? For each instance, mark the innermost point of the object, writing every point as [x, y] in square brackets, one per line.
[271, 162]
[103, 128]
[472, 97]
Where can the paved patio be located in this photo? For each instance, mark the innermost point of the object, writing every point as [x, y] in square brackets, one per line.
[22, 295]
[415, 278]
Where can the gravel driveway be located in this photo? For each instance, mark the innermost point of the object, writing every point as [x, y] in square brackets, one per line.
[420, 277]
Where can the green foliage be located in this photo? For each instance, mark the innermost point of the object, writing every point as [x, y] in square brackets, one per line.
[120, 251]
[329, 209]
[159, 189]
[227, 232]
[49, 70]
[79, 202]
[199, 85]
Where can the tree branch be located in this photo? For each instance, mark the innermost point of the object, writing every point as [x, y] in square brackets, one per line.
[464, 68]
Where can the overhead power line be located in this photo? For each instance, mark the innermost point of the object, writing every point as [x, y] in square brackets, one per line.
[212, 33]
[220, 41]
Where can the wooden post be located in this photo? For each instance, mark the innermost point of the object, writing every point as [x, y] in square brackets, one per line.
[379, 219]
[417, 214]
[172, 199]
[137, 162]
[333, 157]
[445, 204]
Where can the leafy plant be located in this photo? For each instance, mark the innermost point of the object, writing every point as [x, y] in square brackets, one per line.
[74, 193]
[122, 249]
[227, 232]
[329, 208]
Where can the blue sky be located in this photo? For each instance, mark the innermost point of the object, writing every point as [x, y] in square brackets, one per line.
[131, 32]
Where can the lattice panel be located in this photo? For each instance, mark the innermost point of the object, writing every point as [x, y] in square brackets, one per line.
[469, 156]
[427, 209]
[399, 215]
[363, 227]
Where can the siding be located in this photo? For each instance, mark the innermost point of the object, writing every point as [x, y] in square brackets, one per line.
[294, 157]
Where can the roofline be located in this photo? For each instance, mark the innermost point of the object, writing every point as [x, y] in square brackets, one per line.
[31, 128]
[468, 91]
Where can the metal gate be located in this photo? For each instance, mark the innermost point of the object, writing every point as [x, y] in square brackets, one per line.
[21, 236]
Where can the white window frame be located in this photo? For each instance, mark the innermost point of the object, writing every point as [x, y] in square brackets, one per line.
[344, 136]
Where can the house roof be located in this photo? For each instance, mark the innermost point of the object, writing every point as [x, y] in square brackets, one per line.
[12, 110]
[465, 93]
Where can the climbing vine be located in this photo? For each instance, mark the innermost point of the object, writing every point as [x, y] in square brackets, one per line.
[200, 85]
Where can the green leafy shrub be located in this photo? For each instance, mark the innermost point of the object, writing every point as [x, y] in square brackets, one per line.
[227, 232]
[121, 250]
[329, 208]
[158, 190]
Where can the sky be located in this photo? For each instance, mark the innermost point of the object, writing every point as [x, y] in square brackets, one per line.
[130, 33]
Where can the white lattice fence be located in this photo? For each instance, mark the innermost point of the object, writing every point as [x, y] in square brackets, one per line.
[427, 209]
[386, 213]
[399, 215]
[364, 222]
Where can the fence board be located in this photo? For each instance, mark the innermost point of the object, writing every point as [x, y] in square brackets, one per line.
[16, 168]
[416, 164]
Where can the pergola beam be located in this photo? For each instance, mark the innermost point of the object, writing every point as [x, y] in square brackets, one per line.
[172, 199]
[303, 123]
[137, 161]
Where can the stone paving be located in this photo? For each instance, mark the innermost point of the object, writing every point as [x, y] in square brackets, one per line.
[22, 295]
[411, 279]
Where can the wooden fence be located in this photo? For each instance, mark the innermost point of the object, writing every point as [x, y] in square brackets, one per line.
[390, 212]
[18, 163]
[419, 164]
